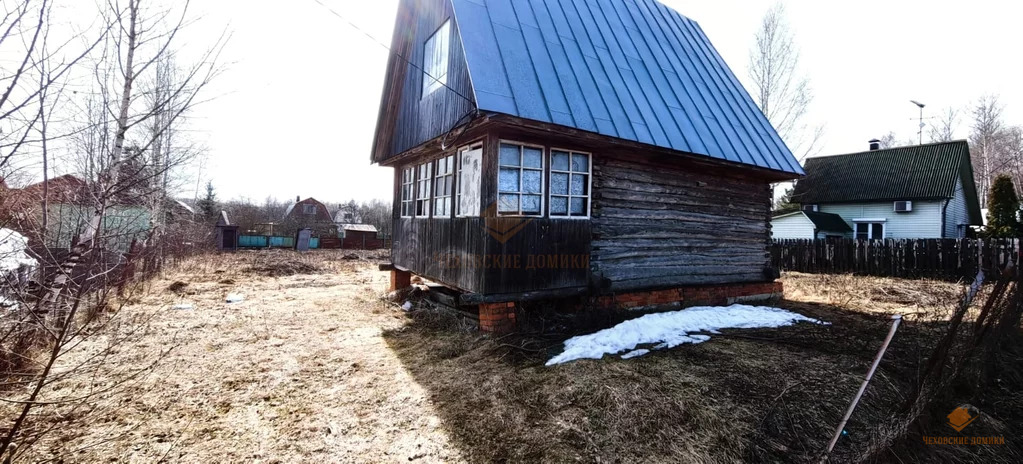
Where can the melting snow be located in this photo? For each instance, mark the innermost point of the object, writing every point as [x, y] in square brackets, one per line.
[12, 251]
[674, 328]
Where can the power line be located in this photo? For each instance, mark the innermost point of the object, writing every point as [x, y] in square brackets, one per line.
[388, 48]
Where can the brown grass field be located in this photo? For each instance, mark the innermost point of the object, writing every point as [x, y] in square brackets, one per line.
[315, 366]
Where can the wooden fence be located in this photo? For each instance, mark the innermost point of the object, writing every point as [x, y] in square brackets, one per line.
[951, 259]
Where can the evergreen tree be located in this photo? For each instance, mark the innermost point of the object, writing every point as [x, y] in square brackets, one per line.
[1003, 209]
[208, 205]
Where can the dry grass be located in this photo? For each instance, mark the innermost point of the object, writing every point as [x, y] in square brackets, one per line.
[316, 367]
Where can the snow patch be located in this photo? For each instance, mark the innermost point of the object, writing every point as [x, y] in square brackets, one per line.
[672, 329]
[235, 297]
[635, 354]
[12, 251]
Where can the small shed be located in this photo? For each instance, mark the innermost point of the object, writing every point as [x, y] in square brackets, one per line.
[809, 225]
[226, 234]
[359, 237]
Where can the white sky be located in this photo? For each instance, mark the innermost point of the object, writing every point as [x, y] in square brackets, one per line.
[296, 110]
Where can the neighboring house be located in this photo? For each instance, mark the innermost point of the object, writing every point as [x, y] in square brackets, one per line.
[923, 191]
[308, 210]
[70, 205]
[810, 225]
[308, 213]
[553, 148]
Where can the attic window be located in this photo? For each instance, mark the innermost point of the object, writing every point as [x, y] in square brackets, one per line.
[435, 59]
[309, 209]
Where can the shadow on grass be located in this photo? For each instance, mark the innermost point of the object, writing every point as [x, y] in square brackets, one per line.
[746, 395]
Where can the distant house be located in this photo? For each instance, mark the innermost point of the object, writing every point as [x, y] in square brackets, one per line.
[308, 210]
[308, 213]
[562, 148]
[924, 191]
[69, 206]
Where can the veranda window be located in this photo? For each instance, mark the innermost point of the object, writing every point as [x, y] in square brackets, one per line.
[520, 180]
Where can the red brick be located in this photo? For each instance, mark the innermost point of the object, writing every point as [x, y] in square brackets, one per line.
[400, 279]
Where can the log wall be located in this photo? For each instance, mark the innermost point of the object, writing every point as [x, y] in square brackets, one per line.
[656, 225]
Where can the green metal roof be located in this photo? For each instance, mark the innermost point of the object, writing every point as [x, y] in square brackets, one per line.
[920, 172]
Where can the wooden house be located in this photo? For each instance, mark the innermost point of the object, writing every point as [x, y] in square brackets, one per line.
[308, 214]
[919, 191]
[565, 148]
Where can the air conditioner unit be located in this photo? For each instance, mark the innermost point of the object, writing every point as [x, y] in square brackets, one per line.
[903, 206]
[810, 208]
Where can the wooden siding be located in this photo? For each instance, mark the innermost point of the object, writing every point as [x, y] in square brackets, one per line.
[956, 215]
[407, 118]
[792, 226]
[655, 225]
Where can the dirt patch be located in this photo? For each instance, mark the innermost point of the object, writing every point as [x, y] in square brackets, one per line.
[316, 366]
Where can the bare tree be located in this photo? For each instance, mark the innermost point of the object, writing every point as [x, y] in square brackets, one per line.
[781, 91]
[985, 141]
[125, 156]
[944, 129]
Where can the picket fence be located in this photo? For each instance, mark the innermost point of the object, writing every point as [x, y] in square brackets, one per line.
[951, 259]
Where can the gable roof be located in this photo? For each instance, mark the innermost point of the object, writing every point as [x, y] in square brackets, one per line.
[919, 172]
[630, 69]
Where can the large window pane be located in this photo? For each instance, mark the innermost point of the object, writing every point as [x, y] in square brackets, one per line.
[559, 183]
[559, 161]
[580, 163]
[578, 206]
[531, 204]
[578, 185]
[510, 155]
[508, 180]
[532, 181]
[559, 205]
[532, 157]
[508, 203]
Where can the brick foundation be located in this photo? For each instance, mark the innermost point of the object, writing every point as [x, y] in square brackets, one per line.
[497, 318]
[712, 295]
[400, 279]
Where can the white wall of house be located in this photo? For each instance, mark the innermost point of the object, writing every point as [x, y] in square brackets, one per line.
[923, 222]
[792, 226]
[955, 214]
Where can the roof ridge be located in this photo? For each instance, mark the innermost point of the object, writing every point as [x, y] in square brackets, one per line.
[881, 150]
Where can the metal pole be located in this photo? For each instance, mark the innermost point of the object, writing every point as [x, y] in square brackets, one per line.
[921, 125]
[896, 320]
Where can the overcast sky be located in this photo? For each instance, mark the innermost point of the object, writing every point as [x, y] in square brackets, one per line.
[295, 112]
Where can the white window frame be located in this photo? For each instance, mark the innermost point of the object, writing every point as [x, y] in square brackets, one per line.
[543, 178]
[458, 179]
[424, 182]
[870, 230]
[408, 192]
[589, 182]
[439, 177]
[436, 52]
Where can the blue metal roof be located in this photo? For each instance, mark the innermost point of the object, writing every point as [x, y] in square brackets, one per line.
[631, 69]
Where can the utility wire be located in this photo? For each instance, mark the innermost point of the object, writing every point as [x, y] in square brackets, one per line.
[388, 48]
